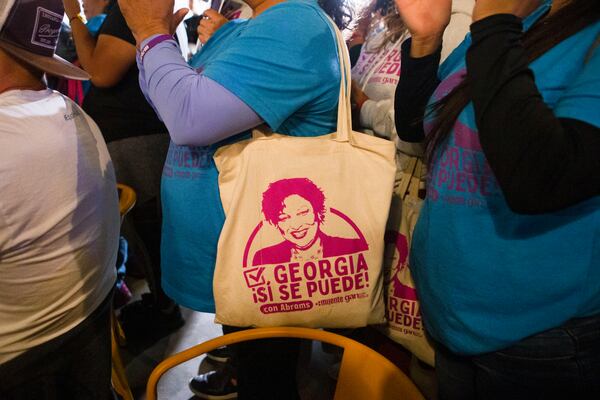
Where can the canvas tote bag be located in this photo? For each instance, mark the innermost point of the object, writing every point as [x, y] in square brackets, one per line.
[405, 325]
[303, 239]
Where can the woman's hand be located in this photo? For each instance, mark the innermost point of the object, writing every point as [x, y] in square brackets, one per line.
[72, 8]
[357, 96]
[150, 17]
[357, 99]
[426, 21]
[209, 24]
[520, 8]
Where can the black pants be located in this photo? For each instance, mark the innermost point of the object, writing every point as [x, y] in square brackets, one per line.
[138, 162]
[75, 365]
[266, 369]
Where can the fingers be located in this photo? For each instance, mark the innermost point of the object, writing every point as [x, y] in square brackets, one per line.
[205, 26]
[205, 30]
[215, 17]
[211, 21]
[177, 18]
[211, 14]
[203, 37]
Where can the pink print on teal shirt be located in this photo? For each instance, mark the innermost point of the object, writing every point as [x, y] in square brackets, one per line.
[461, 175]
[303, 250]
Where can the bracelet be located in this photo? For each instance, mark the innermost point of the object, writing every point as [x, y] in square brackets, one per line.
[152, 43]
[79, 17]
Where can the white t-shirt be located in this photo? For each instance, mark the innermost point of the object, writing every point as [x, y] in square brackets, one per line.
[59, 219]
[378, 69]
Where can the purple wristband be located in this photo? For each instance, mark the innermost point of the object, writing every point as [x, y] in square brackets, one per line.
[152, 43]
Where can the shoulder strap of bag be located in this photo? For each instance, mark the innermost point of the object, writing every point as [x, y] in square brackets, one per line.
[344, 121]
[406, 177]
[415, 181]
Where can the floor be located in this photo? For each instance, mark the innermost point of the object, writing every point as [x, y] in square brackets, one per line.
[313, 379]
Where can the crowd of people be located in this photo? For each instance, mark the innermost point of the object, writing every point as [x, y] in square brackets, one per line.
[499, 99]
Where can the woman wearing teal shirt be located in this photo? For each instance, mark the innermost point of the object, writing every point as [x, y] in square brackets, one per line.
[280, 68]
[506, 252]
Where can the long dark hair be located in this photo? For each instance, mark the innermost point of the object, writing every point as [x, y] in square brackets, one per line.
[339, 11]
[547, 33]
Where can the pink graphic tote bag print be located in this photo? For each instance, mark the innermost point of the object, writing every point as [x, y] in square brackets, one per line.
[403, 311]
[303, 239]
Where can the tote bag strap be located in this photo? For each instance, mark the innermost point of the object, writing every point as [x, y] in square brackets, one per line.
[407, 176]
[415, 181]
[344, 122]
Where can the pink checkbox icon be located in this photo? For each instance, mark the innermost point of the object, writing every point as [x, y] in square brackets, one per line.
[254, 277]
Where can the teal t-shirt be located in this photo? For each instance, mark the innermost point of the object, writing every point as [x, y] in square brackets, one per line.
[486, 276]
[284, 65]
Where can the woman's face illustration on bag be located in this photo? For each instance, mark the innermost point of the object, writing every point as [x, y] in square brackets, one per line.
[297, 221]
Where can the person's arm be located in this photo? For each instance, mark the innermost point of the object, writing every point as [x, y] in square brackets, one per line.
[210, 23]
[543, 163]
[107, 58]
[379, 117]
[142, 82]
[196, 110]
[426, 20]
[418, 81]
[255, 69]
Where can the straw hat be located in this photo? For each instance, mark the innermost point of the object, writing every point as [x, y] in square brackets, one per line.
[29, 31]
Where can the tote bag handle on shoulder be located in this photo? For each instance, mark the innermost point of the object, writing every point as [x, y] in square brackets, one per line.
[344, 117]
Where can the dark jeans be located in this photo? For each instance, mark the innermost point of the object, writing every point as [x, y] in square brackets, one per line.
[266, 369]
[561, 363]
[75, 365]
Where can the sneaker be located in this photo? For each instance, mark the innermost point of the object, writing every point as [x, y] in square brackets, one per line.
[143, 319]
[220, 354]
[214, 385]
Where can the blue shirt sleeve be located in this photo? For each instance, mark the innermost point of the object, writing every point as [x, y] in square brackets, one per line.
[281, 63]
[581, 100]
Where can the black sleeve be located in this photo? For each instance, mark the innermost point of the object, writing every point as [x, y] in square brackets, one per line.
[418, 81]
[542, 163]
[115, 25]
